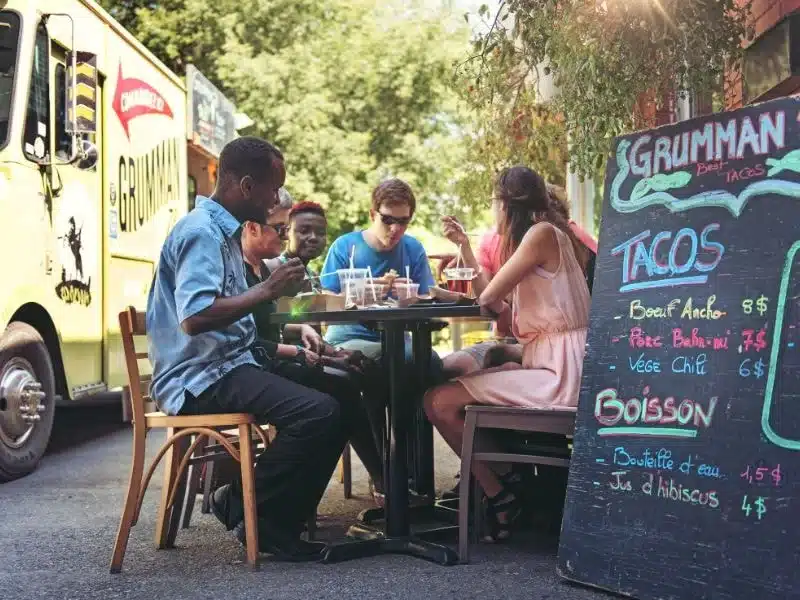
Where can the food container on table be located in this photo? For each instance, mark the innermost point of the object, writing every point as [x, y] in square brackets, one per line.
[311, 302]
[460, 274]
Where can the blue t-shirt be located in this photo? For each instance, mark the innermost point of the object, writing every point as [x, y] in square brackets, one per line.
[409, 252]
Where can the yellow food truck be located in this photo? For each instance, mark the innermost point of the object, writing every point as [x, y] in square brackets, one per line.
[92, 178]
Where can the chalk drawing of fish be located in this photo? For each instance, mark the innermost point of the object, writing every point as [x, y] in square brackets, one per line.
[661, 182]
[790, 161]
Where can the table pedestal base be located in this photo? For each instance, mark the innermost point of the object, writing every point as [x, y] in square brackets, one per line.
[410, 546]
[441, 510]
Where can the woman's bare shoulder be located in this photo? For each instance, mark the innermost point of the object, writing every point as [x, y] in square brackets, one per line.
[543, 234]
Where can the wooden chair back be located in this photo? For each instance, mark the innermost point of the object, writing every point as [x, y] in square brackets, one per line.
[132, 325]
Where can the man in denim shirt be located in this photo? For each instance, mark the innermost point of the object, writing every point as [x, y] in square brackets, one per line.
[201, 336]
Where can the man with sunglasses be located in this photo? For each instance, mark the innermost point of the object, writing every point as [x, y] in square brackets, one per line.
[384, 246]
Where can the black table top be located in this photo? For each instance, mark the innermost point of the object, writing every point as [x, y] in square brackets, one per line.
[411, 313]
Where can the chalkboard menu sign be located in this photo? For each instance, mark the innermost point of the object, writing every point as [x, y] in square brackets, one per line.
[211, 115]
[685, 478]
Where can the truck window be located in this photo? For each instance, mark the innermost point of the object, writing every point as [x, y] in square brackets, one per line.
[36, 137]
[63, 139]
[9, 45]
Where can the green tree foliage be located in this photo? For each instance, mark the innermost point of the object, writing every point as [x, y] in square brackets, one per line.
[603, 56]
[351, 90]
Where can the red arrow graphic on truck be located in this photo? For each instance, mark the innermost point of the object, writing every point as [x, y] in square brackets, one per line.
[135, 98]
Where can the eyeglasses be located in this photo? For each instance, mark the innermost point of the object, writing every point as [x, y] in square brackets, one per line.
[390, 220]
[279, 228]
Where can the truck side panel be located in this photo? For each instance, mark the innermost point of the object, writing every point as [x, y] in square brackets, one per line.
[92, 237]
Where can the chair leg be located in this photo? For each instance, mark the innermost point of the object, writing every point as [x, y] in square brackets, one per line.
[248, 494]
[164, 520]
[477, 510]
[193, 486]
[467, 450]
[347, 472]
[208, 483]
[127, 519]
[181, 447]
[311, 527]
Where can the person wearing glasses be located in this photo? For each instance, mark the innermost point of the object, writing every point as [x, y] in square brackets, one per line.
[310, 362]
[383, 247]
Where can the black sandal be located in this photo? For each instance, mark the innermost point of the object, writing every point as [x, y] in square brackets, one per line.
[505, 503]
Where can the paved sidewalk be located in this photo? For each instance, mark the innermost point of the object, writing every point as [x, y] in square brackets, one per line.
[58, 526]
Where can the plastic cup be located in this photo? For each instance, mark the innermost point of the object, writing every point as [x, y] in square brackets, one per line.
[376, 292]
[406, 290]
[353, 283]
[460, 280]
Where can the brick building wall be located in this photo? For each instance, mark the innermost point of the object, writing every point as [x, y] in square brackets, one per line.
[765, 14]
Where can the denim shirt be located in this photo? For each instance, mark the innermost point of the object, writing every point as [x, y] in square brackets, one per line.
[200, 261]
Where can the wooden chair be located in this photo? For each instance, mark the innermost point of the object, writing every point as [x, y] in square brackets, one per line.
[179, 451]
[560, 421]
[208, 482]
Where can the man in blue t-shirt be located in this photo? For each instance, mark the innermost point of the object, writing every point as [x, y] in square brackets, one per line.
[383, 247]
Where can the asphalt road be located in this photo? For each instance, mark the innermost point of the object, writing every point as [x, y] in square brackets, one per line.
[57, 527]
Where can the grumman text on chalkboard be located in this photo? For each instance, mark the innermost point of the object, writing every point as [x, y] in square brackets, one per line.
[685, 477]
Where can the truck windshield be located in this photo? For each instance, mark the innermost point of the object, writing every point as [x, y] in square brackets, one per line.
[9, 45]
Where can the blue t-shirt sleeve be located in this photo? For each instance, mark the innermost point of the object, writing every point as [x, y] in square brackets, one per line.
[334, 261]
[199, 272]
[420, 268]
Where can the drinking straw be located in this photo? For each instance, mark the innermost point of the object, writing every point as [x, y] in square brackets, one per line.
[321, 275]
[352, 257]
[408, 281]
[371, 283]
[458, 258]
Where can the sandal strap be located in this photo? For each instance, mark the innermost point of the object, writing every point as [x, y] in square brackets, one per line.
[504, 502]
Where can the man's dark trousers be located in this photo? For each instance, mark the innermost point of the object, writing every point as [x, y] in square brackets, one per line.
[292, 474]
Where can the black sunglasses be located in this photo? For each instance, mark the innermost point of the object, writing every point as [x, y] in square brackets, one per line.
[279, 228]
[390, 220]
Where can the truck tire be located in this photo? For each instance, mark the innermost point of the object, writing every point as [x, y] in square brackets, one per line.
[27, 400]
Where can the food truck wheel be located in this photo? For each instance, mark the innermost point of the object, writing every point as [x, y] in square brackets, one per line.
[27, 400]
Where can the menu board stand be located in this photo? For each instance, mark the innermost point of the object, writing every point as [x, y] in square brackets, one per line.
[685, 476]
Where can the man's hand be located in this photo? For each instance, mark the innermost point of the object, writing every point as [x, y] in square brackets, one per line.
[346, 359]
[282, 279]
[311, 339]
[312, 358]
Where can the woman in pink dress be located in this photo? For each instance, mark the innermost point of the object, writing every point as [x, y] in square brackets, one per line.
[542, 269]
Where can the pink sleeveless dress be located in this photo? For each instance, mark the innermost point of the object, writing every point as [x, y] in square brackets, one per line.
[550, 317]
